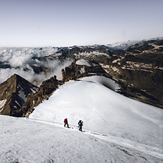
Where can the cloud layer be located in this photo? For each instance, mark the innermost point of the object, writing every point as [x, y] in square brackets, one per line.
[34, 64]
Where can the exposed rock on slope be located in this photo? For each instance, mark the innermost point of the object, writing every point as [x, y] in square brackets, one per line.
[81, 68]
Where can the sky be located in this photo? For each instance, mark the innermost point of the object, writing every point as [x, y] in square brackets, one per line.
[78, 22]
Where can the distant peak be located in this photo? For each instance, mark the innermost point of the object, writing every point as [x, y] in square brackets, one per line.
[16, 76]
[17, 79]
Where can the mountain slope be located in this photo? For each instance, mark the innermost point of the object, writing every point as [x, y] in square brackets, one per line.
[49, 143]
[14, 92]
[140, 71]
[104, 111]
[138, 67]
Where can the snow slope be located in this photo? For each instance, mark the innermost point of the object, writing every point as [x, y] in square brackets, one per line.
[82, 62]
[25, 141]
[105, 112]
[104, 81]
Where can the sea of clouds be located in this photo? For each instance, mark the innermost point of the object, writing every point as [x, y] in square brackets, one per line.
[20, 60]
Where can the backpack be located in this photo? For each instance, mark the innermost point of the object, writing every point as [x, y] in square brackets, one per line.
[80, 123]
[65, 120]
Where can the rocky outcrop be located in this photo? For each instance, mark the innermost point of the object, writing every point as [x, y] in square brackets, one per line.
[44, 91]
[15, 91]
[77, 70]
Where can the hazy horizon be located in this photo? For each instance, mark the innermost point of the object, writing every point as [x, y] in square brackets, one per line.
[114, 43]
[62, 23]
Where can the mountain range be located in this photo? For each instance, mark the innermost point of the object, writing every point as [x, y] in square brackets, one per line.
[137, 69]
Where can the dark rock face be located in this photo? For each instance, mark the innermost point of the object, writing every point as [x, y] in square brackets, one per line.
[15, 91]
[75, 71]
[140, 71]
[43, 92]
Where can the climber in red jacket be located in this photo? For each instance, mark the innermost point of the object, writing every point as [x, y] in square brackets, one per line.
[66, 123]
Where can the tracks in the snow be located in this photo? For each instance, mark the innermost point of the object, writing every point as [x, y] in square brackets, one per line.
[121, 143]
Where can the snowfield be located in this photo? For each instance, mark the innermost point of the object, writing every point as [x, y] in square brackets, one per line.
[106, 112]
[104, 81]
[25, 141]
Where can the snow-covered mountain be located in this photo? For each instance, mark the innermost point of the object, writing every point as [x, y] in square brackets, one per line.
[104, 111]
[116, 128]
[122, 45]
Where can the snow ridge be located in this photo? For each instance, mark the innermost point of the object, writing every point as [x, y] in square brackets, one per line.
[103, 111]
